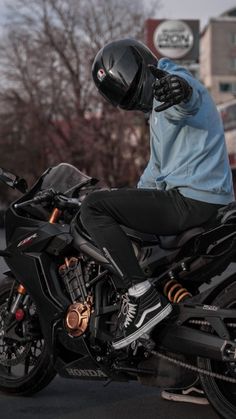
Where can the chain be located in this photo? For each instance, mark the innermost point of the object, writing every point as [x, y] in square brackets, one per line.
[192, 367]
[204, 323]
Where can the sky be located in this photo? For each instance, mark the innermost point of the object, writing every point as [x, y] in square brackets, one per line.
[197, 9]
[177, 9]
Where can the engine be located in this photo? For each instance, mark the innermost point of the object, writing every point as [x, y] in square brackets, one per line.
[75, 276]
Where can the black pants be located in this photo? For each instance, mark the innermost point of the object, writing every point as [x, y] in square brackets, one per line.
[146, 210]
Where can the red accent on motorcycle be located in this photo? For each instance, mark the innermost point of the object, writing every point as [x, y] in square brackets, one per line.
[19, 314]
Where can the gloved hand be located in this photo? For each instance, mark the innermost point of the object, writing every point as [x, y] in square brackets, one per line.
[169, 88]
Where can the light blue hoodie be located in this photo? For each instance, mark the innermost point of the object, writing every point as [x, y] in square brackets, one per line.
[188, 148]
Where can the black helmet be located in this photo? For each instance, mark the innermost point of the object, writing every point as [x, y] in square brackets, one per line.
[121, 74]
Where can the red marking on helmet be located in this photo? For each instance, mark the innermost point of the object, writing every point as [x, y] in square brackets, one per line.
[101, 74]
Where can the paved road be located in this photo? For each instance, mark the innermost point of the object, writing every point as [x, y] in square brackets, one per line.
[66, 399]
[74, 399]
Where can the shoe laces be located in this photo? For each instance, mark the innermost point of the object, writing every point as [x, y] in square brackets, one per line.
[128, 310]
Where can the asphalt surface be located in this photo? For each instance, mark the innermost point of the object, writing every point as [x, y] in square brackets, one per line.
[83, 399]
[74, 399]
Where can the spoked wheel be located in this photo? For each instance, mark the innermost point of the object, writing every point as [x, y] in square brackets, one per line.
[222, 394]
[25, 366]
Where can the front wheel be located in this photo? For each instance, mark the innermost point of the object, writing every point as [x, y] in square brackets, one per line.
[25, 366]
[222, 394]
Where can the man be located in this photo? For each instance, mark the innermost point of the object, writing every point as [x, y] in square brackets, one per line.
[186, 180]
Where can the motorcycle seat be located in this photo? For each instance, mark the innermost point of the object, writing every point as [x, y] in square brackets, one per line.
[227, 214]
[167, 241]
[177, 241]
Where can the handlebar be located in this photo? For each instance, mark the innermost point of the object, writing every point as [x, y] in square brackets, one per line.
[45, 196]
[24, 204]
[58, 200]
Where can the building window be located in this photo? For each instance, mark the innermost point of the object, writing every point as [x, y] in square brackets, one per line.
[233, 64]
[228, 114]
[233, 38]
[227, 88]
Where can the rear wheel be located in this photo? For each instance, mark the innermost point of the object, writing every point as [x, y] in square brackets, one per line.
[25, 366]
[222, 394]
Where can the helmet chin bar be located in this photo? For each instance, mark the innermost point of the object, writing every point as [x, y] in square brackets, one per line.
[142, 99]
[145, 105]
[144, 102]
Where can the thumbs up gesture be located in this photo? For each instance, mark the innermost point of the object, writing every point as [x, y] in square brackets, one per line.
[169, 88]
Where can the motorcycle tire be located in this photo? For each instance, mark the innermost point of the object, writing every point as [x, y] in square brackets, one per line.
[221, 394]
[38, 370]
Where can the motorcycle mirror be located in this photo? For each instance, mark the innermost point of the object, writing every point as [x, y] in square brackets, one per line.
[13, 180]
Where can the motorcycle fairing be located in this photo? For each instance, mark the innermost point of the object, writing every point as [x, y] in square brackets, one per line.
[34, 266]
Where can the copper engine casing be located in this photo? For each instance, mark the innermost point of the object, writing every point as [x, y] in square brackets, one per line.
[77, 318]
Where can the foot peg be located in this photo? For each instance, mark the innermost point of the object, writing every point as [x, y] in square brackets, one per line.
[146, 342]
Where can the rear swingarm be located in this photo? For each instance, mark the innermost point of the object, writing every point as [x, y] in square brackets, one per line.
[210, 340]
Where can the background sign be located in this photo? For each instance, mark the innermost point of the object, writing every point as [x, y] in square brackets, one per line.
[176, 39]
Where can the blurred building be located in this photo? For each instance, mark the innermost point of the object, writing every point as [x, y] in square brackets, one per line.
[218, 56]
[175, 39]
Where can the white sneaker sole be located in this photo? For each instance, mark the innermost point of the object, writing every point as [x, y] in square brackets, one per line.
[183, 398]
[144, 329]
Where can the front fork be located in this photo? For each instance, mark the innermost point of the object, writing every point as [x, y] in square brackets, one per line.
[15, 311]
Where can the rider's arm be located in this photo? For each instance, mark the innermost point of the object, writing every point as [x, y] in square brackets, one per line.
[176, 92]
[189, 107]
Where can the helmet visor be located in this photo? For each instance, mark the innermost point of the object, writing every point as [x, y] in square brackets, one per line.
[120, 78]
[132, 96]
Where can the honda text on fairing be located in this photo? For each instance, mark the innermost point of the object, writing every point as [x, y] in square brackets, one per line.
[60, 299]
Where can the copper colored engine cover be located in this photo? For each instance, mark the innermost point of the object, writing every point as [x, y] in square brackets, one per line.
[77, 318]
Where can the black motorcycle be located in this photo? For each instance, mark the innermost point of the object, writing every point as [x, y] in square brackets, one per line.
[60, 299]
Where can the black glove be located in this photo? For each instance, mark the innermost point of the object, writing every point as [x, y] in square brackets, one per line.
[169, 88]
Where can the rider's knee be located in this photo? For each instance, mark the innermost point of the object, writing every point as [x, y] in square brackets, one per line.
[93, 203]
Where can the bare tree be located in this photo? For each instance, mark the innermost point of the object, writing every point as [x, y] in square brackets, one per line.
[49, 108]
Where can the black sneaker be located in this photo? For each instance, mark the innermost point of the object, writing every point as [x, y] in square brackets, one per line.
[139, 315]
[190, 394]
